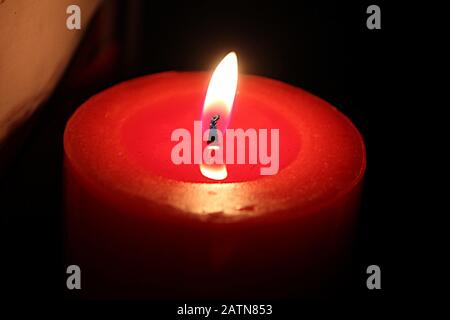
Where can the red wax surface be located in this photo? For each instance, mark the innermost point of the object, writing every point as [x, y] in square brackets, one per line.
[124, 196]
[150, 128]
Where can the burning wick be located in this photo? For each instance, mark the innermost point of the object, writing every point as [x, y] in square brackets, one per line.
[213, 129]
[213, 170]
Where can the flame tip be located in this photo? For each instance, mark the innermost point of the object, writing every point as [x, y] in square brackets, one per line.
[223, 83]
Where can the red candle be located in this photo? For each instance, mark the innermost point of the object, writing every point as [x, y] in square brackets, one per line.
[140, 225]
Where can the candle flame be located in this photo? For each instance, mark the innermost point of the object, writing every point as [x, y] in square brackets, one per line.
[222, 86]
[219, 101]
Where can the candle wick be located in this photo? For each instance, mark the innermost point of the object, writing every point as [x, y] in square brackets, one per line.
[213, 128]
[213, 123]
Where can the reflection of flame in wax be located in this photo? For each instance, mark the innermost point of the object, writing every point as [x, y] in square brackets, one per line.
[219, 101]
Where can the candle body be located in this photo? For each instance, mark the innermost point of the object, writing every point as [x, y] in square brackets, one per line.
[139, 226]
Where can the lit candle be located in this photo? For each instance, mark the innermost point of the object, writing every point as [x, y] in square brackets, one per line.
[141, 225]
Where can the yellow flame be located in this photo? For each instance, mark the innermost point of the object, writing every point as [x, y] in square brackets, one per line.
[223, 83]
[221, 92]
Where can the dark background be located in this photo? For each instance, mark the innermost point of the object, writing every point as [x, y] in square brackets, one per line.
[321, 46]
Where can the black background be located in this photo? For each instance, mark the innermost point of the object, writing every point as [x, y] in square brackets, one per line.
[321, 46]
